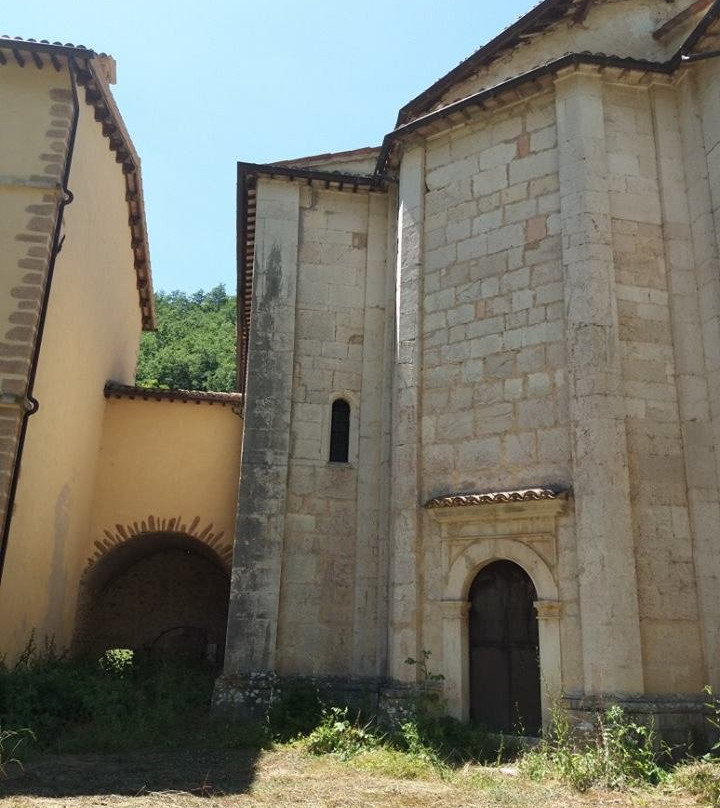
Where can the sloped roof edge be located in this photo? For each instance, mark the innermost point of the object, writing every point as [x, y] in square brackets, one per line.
[85, 63]
[534, 75]
[366, 151]
[542, 15]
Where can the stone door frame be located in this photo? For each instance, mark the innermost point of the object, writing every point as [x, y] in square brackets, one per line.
[474, 537]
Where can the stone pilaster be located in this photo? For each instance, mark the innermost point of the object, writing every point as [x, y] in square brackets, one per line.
[456, 657]
[405, 512]
[606, 564]
[260, 526]
[369, 576]
[549, 614]
[695, 287]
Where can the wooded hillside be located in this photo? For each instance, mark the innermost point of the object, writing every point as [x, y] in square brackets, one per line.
[194, 345]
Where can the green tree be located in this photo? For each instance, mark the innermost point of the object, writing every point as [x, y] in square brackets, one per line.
[194, 345]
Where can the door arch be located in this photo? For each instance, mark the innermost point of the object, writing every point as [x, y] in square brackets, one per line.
[505, 693]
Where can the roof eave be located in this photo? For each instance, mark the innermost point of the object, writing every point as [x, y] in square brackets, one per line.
[479, 57]
[477, 99]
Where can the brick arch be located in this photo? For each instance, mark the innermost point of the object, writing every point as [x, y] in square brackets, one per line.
[120, 534]
[153, 580]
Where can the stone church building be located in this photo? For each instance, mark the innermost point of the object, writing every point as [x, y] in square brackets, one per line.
[482, 368]
[479, 399]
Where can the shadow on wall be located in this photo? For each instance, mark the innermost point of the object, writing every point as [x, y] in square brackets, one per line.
[165, 594]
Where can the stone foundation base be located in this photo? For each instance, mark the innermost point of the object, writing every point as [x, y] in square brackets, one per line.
[679, 721]
[248, 697]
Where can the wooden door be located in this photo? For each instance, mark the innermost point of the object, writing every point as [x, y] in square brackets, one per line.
[504, 653]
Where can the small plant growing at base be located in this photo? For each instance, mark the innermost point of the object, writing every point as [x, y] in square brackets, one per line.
[713, 705]
[10, 742]
[428, 700]
[621, 753]
[436, 738]
[422, 666]
[338, 735]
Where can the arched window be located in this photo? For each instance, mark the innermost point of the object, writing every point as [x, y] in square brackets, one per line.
[340, 431]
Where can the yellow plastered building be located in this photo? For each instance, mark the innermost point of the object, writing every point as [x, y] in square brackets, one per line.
[115, 502]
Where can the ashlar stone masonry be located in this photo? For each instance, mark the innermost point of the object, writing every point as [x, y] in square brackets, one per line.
[518, 295]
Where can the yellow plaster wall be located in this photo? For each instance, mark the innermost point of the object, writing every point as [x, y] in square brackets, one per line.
[91, 335]
[166, 460]
[26, 118]
[34, 123]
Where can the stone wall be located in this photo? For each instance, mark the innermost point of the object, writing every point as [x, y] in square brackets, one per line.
[540, 367]
[557, 316]
[669, 621]
[328, 610]
[308, 582]
[494, 397]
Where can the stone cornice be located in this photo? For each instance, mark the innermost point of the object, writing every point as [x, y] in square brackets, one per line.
[522, 503]
[495, 497]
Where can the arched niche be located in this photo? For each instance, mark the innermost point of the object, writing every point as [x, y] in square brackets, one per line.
[162, 593]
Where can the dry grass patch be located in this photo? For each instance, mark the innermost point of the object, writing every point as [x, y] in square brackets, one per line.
[287, 777]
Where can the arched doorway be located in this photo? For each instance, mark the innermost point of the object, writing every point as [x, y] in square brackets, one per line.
[504, 650]
[165, 594]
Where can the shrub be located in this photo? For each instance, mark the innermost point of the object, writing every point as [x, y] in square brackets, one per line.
[619, 754]
[338, 735]
[112, 703]
[446, 741]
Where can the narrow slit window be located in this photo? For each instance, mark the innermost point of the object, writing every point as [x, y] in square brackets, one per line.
[340, 431]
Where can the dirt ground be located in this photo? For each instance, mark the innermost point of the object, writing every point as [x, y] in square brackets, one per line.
[281, 778]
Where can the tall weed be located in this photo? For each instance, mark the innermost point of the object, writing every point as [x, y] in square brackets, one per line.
[10, 742]
[619, 754]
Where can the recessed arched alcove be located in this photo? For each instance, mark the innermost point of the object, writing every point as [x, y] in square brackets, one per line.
[161, 593]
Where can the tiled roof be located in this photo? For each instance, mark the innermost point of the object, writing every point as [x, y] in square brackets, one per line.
[540, 17]
[45, 44]
[496, 497]
[113, 390]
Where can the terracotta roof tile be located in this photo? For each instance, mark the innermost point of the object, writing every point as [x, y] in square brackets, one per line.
[113, 390]
[496, 497]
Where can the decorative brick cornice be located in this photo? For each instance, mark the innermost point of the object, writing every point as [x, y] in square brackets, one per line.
[136, 531]
[497, 497]
[93, 71]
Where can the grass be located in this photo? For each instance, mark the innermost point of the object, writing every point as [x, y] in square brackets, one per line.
[289, 776]
[124, 731]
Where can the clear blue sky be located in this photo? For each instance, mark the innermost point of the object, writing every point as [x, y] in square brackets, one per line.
[204, 84]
